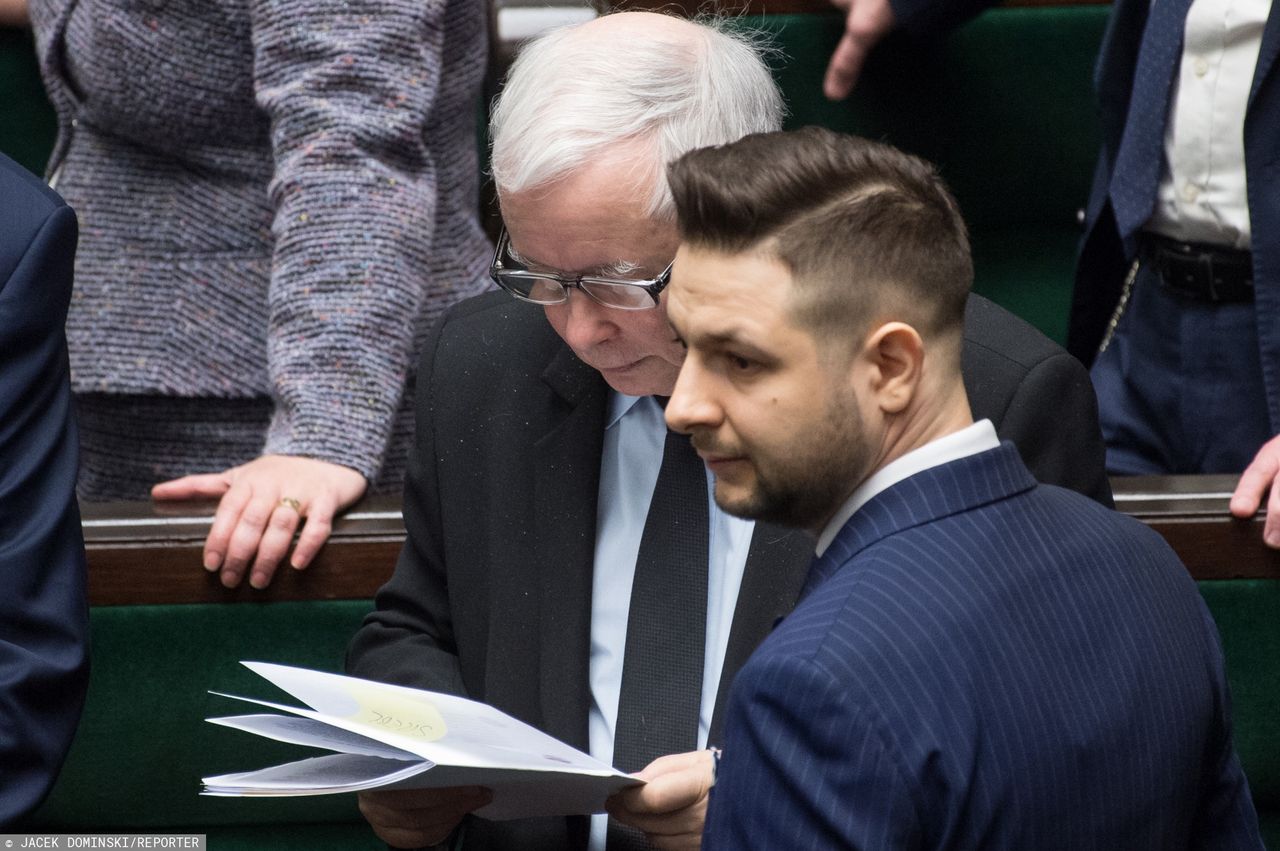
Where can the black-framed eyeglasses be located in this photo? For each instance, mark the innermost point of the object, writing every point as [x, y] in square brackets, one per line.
[550, 288]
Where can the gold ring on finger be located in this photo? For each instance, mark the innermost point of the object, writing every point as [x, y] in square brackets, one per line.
[292, 503]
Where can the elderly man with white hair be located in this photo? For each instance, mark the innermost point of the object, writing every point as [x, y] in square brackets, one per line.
[564, 562]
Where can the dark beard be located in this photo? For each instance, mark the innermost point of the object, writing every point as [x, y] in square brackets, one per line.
[805, 502]
[803, 492]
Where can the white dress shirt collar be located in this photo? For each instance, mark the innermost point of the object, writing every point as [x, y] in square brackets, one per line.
[979, 437]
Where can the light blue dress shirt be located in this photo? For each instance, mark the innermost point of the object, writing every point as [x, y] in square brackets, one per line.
[633, 442]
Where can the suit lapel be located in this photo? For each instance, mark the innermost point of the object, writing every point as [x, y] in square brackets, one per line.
[1114, 72]
[777, 562]
[566, 481]
[1261, 126]
[927, 496]
[1266, 53]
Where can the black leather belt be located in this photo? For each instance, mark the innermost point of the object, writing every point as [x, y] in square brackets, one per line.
[1198, 271]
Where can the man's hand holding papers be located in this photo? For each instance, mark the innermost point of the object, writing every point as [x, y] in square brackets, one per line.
[672, 805]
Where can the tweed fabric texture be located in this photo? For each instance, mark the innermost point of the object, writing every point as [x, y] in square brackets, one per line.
[132, 442]
[277, 198]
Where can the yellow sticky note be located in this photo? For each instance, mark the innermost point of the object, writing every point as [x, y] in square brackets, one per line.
[405, 714]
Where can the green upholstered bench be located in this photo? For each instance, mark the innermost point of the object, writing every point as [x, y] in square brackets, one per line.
[27, 123]
[1240, 580]
[1247, 612]
[142, 746]
[1004, 106]
[164, 633]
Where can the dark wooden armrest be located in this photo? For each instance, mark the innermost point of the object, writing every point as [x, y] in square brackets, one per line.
[1191, 513]
[144, 553]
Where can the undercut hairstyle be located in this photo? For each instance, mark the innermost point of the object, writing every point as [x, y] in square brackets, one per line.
[578, 93]
[868, 233]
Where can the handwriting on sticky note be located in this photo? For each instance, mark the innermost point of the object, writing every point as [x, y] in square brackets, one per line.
[403, 714]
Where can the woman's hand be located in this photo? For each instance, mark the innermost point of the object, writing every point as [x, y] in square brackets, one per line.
[261, 505]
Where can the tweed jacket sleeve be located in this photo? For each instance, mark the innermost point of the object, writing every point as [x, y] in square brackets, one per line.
[348, 88]
[278, 197]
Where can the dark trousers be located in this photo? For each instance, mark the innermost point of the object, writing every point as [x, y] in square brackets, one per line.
[1180, 385]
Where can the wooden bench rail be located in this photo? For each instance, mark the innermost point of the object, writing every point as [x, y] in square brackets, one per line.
[140, 553]
[1190, 512]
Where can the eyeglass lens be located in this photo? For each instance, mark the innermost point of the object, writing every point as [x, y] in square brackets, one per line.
[551, 291]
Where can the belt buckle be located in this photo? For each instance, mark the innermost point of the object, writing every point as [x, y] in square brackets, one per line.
[1193, 272]
[1206, 264]
[1180, 270]
[1188, 272]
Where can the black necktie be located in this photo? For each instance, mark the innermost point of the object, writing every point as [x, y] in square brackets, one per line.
[1141, 155]
[666, 626]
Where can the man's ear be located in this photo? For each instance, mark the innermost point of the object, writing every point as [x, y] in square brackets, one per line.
[895, 354]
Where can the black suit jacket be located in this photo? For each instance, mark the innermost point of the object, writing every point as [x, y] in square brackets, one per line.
[492, 593]
[44, 618]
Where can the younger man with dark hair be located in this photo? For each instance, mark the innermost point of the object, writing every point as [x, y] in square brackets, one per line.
[977, 661]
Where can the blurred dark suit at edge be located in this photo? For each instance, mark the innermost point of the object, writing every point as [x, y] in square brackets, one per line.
[44, 616]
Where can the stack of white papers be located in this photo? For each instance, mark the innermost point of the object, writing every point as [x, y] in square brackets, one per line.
[386, 736]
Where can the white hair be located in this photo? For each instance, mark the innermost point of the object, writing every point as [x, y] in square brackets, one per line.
[656, 92]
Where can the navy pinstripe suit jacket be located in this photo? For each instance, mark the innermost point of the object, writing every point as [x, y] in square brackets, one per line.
[984, 662]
